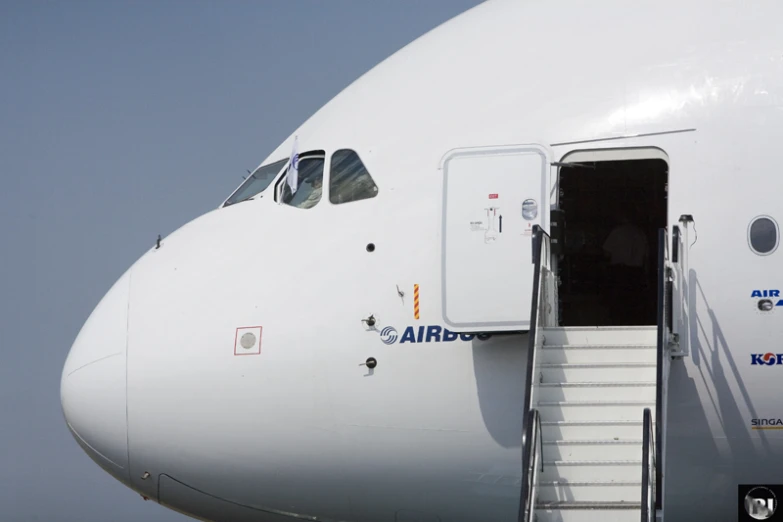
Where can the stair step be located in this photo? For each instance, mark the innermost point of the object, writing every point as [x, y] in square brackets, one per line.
[588, 391]
[630, 491]
[593, 410]
[600, 429]
[601, 335]
[597, 372]
[619, 347]
[567, 504]
[593, 514]
[598, 354]
[586, 470]
[593, 449]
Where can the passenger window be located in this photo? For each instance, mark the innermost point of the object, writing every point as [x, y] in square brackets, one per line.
[257, 182]
[349, 179]
[763, 235]
[309, 184]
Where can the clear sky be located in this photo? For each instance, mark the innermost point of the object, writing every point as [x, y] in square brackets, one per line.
[120, 121]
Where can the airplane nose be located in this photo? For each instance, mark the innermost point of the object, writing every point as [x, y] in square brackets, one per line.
[93, 385]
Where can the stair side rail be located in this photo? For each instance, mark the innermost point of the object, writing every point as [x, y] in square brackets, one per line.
[649, 467]
[663, 357]
[542, 314]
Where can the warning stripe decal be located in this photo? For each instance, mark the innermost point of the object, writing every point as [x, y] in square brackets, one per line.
[416, 301]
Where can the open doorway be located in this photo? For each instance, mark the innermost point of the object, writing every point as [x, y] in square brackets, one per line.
[612, 211]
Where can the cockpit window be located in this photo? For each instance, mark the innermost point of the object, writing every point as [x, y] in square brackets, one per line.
[309, 185]
[257, 182]
[349, 179]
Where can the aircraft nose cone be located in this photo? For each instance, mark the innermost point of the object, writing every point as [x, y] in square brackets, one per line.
[92, 389]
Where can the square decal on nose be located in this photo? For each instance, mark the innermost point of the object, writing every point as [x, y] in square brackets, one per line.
[248, 340]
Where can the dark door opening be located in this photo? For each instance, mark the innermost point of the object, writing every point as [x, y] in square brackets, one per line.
[608, 270]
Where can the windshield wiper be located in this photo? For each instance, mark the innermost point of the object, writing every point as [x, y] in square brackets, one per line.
[250, 197]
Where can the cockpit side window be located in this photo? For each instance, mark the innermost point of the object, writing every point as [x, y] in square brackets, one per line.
[309, 182]
[349, 179]
[257, 182]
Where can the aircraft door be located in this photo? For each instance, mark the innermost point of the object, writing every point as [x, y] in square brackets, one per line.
[492, 199]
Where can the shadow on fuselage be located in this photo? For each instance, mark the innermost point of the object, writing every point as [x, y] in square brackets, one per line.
[500, 367]
[709, 446]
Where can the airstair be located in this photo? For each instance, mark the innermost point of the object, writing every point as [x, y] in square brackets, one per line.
[592, 441]
[595, 384]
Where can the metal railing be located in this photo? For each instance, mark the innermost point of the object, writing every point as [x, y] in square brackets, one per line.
[679, 262]
[533, 455]
[542, 314]
[666, 269]
[649, 467]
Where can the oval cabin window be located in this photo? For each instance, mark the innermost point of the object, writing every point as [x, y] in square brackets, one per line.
[763, 235]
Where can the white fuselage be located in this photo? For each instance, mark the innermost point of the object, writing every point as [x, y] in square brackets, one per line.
[156, 395]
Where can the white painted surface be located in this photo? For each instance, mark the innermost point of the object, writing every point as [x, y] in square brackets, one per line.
[435, 428]
[92, 388]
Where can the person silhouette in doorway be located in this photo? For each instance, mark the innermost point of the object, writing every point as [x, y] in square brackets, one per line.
[627, 250]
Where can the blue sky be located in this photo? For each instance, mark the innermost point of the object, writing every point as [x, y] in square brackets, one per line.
[120, 121]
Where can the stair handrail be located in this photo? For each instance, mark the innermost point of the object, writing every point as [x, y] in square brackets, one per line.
[649, 469]
[541, 315]
[665, 319]
[533, 454]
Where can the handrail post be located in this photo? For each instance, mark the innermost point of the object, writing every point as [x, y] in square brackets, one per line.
[680, 331]
[677, 298]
